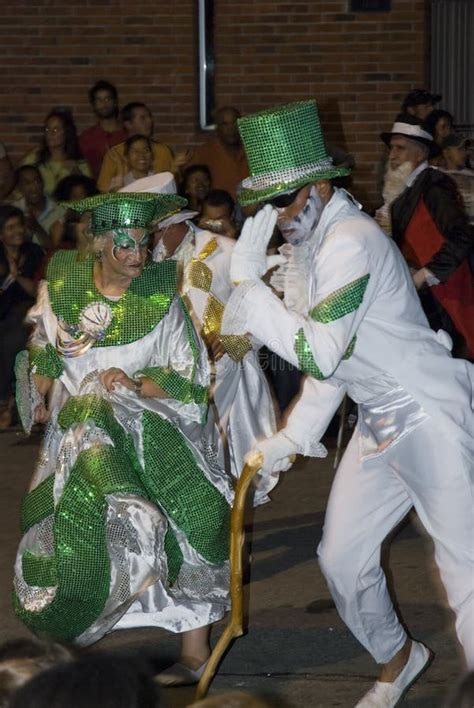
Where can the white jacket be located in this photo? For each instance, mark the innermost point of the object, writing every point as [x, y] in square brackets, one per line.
[365, 332]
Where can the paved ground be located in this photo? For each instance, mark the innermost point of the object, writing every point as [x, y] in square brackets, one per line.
[297, 652]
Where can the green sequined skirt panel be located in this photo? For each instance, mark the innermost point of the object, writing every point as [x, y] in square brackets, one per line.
[126, 523]
[126, 527]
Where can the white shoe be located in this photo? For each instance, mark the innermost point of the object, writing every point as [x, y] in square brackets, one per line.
[180, 675]
[389, 695]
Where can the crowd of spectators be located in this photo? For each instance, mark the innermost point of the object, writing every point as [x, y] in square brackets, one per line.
[427, 193]
[116, 150]
[41, 674]
[120, 148]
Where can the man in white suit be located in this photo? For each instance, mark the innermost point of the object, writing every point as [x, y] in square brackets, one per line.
[352, 321]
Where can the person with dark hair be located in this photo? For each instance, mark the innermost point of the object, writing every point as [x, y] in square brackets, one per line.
[71, 189]
[223, 153]
[93, 681]
[59, 154]
[20, 261]
[75, 187]
[352, 321]
[419, 103]
[130, 529]
[108, 131]
[440, 124]
[455, 159]
[196, 182]
[218, 212]
[431, 228]
[7, 175]
[242, 404]
[220, 198]
[21, 659]
[137, 120]
[138, 153]
[43, 217]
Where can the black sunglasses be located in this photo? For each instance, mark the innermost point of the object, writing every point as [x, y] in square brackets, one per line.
[284, 200]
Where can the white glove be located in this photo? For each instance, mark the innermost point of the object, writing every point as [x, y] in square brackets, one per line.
[292, 278]
[249, 257]
[277, 454]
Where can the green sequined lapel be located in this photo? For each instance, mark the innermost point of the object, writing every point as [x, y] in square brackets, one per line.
[71, 288]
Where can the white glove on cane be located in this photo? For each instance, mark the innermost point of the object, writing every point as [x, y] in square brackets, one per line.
[277, 454]
[249, 257]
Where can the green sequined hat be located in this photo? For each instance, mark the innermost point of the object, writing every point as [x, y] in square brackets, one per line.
[285, 150]
[130, 210]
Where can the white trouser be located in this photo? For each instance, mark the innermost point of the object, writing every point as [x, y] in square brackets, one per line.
[367, 500]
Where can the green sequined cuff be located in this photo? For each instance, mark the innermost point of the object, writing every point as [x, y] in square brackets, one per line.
[45, 361]
[306, 361]
[175, 385]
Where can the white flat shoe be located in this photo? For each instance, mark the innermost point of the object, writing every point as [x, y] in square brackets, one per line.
[180, 675]
[389, 695]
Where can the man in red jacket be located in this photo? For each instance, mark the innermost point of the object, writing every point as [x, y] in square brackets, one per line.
[432, 230]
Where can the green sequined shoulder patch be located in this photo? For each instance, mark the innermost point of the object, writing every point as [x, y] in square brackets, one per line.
[71, 288]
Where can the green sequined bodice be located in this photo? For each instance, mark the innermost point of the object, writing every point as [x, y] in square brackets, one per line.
[71, 288]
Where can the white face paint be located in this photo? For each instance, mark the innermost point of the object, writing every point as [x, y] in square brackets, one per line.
[301, 227]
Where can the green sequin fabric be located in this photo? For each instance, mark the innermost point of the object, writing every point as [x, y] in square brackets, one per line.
[90, 407]
[39, 571]
[46, 361]
[336, 305]
[285, 149]
[79, 569]
[175, 385]
[174, 556]
[38, 504]
[350, 349]
[306, 361]
[341, 302]
[131, 210]
[191, 332]
[187, 497]
[81, 562]
[71, 288]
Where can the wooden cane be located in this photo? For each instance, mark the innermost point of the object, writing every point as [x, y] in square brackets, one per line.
[234, 627]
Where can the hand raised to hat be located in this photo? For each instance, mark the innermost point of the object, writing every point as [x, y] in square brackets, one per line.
[249, 257]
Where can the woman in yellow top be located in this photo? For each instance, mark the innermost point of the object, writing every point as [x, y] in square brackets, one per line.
[59, 155]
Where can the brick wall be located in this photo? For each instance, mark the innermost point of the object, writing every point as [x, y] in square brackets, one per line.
[358, 66]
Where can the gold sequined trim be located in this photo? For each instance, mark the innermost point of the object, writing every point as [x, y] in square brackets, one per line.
[236, 345]
[208, 250]
[199, 276]
[213, 314]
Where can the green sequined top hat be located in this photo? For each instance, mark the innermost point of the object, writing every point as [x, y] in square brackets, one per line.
[130, 210]
[285, 150]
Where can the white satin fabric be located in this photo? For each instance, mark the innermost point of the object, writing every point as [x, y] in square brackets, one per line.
[414, 443]
[387, 414]
[139, 593]
[242, 410]
[368, 499]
